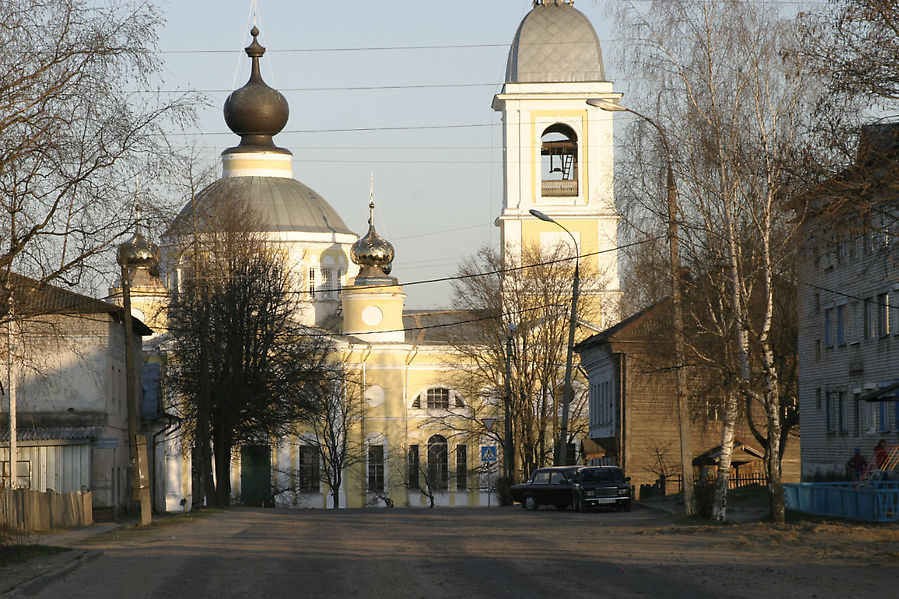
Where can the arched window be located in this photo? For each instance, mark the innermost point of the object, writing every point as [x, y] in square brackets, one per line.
[558, 152]
[438, 470]
[438, 398]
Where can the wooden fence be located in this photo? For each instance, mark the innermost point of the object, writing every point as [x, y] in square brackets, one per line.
[27, 510]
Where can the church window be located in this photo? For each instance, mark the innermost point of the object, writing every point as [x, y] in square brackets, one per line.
[375, 467]
[309, 470]
[438, 472]
[461, 467]
[311, 282]
[414, 465]
[330, 282]
[438, 398]
[558, 152]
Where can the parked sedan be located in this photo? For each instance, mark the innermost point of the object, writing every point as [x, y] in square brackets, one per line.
[547, 486]
[595, 486]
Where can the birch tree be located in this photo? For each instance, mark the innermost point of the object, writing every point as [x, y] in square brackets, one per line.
[78, 125]
[722, 80]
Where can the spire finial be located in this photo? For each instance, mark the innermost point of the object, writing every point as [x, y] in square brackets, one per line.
[371, 200]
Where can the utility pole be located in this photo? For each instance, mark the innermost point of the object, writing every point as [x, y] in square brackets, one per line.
[11, 390]
[135, 253]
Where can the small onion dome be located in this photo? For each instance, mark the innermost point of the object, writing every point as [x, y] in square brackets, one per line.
[372, 252]
[256, 112]
[138, 252]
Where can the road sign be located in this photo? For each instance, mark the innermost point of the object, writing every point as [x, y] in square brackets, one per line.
[488, 423]
[488, 453]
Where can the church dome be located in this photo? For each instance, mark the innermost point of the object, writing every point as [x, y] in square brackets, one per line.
[281, 204]
[372, 252]
[555, 43]
[256, 111]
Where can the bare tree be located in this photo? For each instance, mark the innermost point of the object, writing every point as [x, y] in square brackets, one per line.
[78, 124]
[530, 302]
[855, 45]
[245, 369]
[742, 117]
[333, 419]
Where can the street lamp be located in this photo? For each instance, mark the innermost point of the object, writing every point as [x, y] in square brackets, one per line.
[137, 252]
[562, 452]
[675, 274]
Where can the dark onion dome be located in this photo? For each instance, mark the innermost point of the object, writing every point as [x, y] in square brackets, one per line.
[373, 253]
[282, 204]
[555, 43]
[256, 112]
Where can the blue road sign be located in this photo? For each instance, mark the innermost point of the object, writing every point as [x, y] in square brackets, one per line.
[488, 453]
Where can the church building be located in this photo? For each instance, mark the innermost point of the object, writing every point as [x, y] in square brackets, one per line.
[423, 438]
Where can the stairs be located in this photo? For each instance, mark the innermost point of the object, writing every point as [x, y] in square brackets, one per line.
[872, 471]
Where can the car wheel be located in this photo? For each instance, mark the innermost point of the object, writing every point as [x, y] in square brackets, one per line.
[561, 506]
[530, 503]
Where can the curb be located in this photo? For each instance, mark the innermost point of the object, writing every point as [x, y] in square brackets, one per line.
[33, 585]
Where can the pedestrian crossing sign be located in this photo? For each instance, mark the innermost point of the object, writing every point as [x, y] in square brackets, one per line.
[488, 453]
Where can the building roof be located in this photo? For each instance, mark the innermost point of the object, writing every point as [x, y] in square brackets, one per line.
[33, 299]
[555, 43]
[628, 324]
[283, 204]
[436, 326]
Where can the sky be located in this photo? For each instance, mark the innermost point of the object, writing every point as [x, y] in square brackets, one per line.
[400, 91]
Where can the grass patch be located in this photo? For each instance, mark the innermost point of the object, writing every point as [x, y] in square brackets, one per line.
[16, 554]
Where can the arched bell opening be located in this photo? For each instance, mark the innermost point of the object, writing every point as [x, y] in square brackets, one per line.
[558, 154]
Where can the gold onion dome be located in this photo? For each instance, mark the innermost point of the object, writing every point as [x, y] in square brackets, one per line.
[373, 253]
[256, 111]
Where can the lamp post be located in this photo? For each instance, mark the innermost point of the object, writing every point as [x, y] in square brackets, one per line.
[677, 308]
[135, 253]
[562, 452]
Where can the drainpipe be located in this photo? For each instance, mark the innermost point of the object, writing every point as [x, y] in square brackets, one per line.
[409, 358]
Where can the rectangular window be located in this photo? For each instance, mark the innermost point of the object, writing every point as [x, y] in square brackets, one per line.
[309, 471]
[438, 398]
[883, 315]
[461, 467]
[831, 412]
[841, 412]
[414, 466]
[841, 331]
[867, 318]
[311, 280]
[828, 327]
[883, 417]
[817, 399]
[852, 335]
[375, 467]
[330, 283]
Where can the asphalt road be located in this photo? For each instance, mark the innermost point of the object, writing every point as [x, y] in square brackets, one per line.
[468, 553]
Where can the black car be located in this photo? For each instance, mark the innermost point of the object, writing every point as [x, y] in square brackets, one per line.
[547, 486]
[595, 486]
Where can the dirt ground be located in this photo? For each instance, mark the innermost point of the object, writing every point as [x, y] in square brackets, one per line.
[500, 552]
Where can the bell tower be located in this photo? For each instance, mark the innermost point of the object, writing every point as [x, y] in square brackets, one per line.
[558, 150]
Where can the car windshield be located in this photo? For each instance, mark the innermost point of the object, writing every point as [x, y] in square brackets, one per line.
[601, 475]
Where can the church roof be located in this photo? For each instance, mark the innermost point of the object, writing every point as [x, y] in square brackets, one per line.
[282, 204]
[555, 43]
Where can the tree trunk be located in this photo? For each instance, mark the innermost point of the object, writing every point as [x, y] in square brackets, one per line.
[223, 472]
[719, 507]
